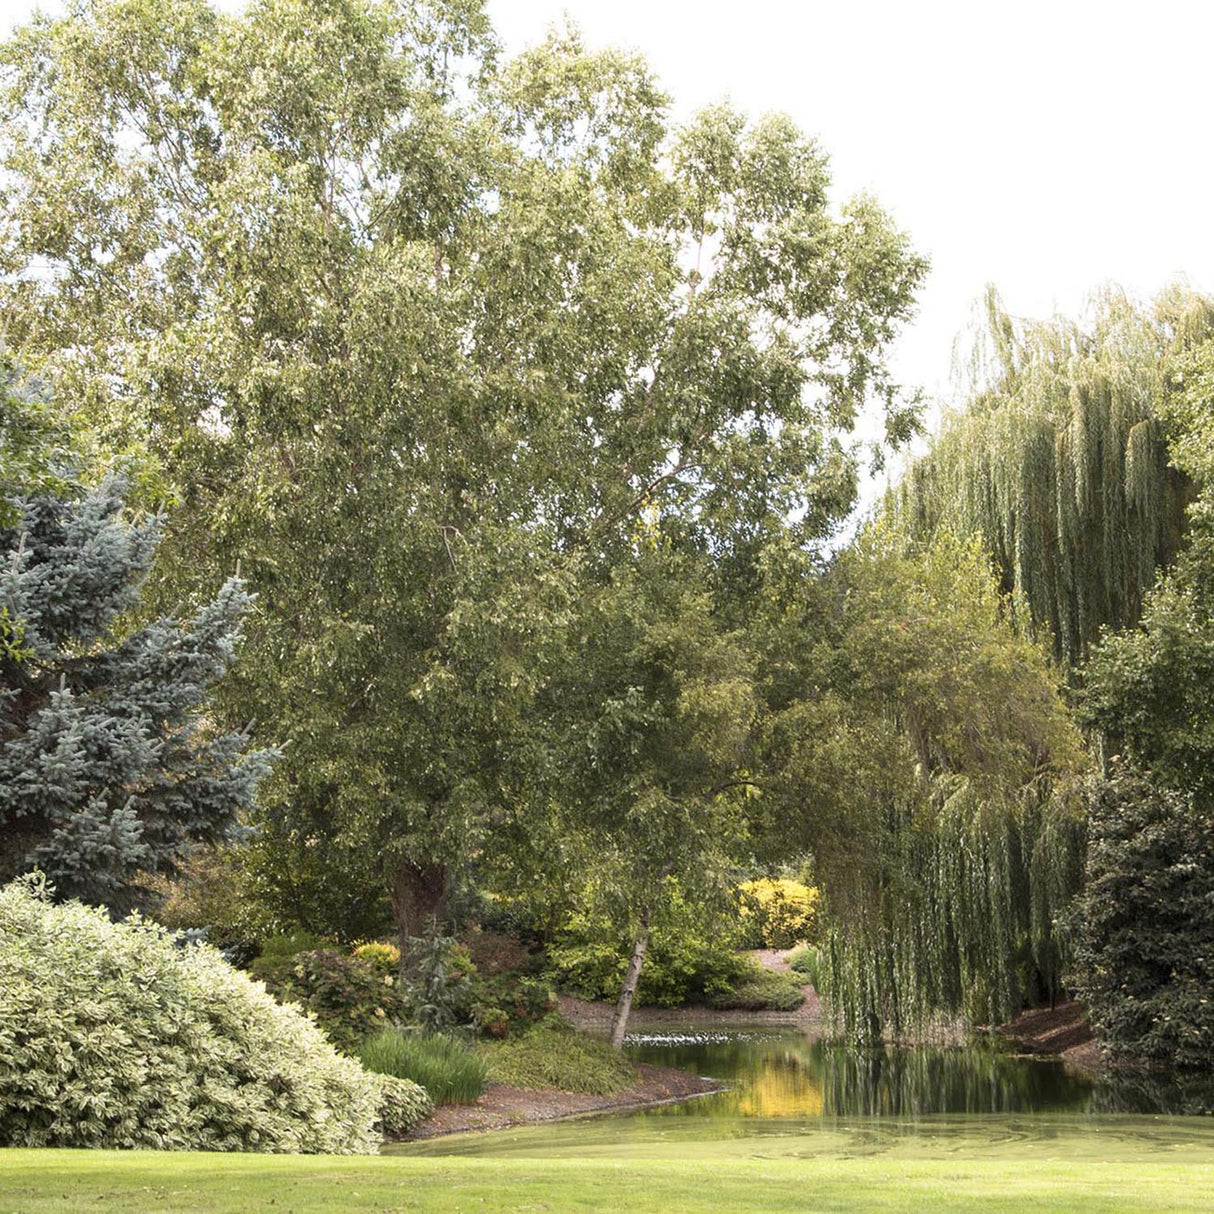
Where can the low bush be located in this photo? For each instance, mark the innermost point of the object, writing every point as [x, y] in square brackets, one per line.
[448, 1069]
[509, 1003]
[763, 991]
[402, 1104]
[776, 912]
[284, 945]
[554, 1056]
[808, 963]
[499, 953]
[349, 998]
[686, 963]
[113, 1035]
[385, 957]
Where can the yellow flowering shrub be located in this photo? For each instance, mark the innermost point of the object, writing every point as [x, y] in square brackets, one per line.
[380, 954]
[777, 912]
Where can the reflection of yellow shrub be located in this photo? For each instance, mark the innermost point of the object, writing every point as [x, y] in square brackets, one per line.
[781, 1092]
[777, 913]
[383, 956]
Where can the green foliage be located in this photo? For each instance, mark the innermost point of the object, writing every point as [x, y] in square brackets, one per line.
[552, 1056]
[210, 892]
[112, 1035]
[685, 963]
[438, 991]
[762, 990]
[348, 998]
[33, 441]
[776, 912]
[109, 764]
[402, 1104]
[285, 946]
[930, 766]
[505, 1004]
[1148, 692]
[1144, 925]
[807, 962]
[1058, 463]
[448, 1070]
[415, 336]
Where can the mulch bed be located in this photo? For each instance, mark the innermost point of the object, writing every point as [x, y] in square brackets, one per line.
[501, 1105]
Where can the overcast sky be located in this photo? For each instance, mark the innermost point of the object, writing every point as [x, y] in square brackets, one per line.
[1044, 147]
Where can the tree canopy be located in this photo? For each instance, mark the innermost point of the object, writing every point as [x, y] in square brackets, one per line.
[419, 336]
[1059, 462]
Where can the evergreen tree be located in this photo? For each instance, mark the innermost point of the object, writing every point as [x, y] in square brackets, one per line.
[108, 766]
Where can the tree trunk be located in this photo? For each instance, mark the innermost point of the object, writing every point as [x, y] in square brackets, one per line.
[418, 896]
[631, 978]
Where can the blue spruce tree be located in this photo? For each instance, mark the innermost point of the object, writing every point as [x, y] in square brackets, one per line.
[109, 764]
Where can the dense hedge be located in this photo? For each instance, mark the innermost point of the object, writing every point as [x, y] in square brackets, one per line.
[111, 1035]
[1144, 926]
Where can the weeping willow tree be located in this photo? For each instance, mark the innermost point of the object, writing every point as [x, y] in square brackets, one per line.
[963, 838]
[957, 916]
[1060, 464]
[933, 766]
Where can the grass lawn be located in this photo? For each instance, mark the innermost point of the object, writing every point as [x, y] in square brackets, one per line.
[64, 1181]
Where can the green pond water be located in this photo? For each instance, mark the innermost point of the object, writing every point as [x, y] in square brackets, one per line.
[792, 1095]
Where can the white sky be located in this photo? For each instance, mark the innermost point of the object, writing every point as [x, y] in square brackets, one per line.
[1045, 147]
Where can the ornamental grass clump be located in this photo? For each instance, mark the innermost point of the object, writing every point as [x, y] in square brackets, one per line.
[113, 1035]
[552, 1056]
[448, 1070]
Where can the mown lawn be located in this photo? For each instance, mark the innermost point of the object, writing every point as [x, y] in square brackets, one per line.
[64, 1181]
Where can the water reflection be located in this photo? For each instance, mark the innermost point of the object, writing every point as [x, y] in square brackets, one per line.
[788, 1075]
[794, 1096]
[782, 1073]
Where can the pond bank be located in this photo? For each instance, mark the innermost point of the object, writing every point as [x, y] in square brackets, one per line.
[1061, 1032]
[501, 1105]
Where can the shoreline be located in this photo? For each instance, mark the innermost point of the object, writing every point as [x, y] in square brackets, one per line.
[1060, 1032]
[501, 1105]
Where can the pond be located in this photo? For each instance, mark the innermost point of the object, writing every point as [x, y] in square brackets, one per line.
[793, 1094]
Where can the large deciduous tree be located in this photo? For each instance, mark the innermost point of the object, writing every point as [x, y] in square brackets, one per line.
[419, 337]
